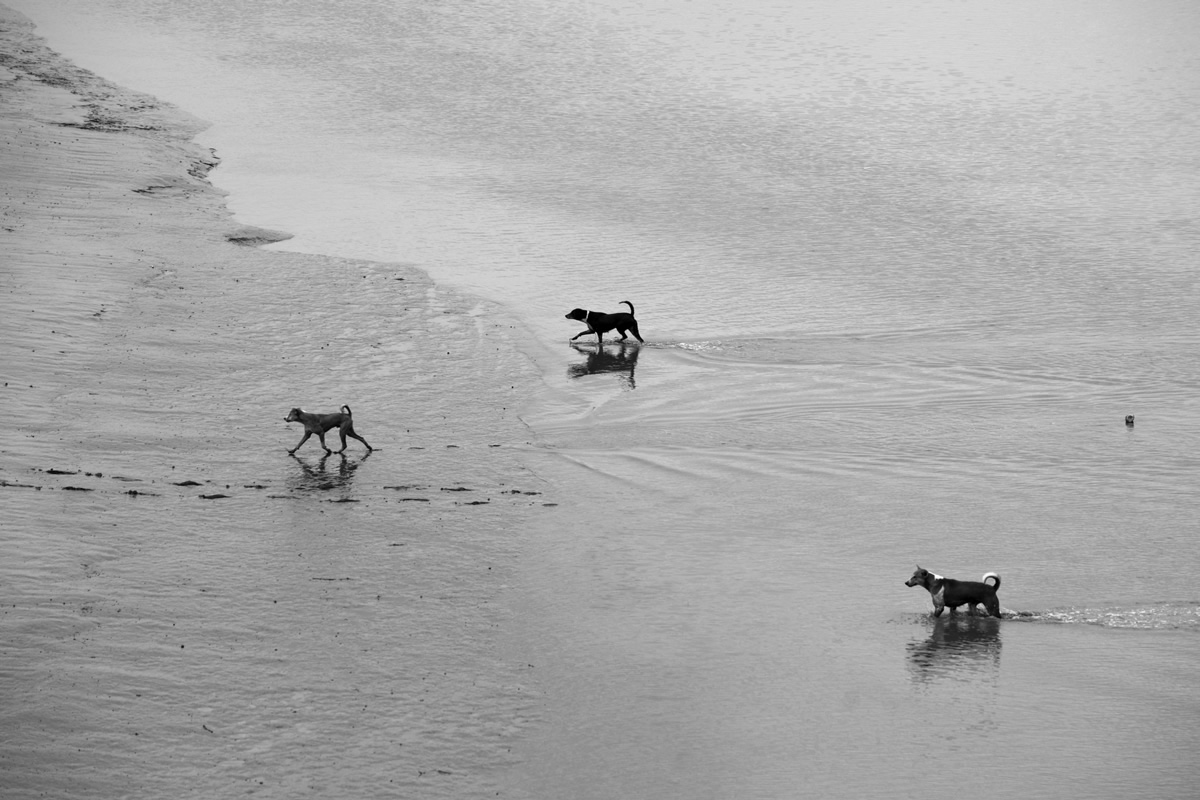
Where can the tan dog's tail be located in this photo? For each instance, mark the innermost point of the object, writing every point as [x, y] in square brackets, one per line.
[348, 414]
[626, 302]
[992, 575]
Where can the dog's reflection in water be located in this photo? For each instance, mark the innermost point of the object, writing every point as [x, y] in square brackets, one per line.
[322, 475]
[959, 648]
[620, 358]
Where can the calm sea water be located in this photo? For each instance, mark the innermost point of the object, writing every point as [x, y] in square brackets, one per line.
[902, 272]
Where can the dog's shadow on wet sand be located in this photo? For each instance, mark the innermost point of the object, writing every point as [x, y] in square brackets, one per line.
[331, 471]
[619, 358]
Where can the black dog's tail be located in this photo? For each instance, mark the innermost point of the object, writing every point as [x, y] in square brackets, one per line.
[992, 575]
[348, 414]
[626, 302]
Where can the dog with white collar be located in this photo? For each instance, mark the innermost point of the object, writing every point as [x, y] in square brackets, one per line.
[600, 323]
[947, 592]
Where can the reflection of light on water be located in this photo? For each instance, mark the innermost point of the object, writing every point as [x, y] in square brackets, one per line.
[1162, 616]
[702, 347]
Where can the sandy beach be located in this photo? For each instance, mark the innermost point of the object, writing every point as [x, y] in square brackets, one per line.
[154, 520]
[900, 286]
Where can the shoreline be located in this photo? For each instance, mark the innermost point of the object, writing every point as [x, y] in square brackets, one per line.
[103, 185]
[163, 545]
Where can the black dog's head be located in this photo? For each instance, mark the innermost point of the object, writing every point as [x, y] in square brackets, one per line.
[578, 313]
[293, 415]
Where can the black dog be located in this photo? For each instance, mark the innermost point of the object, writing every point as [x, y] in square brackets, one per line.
[600, 323]
[949, 592]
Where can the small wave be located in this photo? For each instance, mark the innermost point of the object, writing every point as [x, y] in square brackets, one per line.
[1160, 616]
[702, 347]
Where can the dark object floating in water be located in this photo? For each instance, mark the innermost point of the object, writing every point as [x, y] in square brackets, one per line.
[53, 471]
[1129, 420]
[76, 489]
[457, 489]
[189, 483]
[212, 496]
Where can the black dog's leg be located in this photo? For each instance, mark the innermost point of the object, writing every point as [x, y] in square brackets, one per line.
[302, 441]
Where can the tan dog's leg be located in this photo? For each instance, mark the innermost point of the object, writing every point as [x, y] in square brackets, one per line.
[347, 429]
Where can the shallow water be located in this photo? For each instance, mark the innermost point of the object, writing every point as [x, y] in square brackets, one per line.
[901, 282]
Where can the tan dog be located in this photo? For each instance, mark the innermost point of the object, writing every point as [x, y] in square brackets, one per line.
[320, 424]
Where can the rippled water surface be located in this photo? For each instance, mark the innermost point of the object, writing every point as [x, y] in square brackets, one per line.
[902, 272]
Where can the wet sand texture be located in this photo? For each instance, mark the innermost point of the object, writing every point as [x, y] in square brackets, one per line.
[188, 611]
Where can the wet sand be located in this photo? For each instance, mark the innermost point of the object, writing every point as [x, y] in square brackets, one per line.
[189, 611]
[650, 598]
